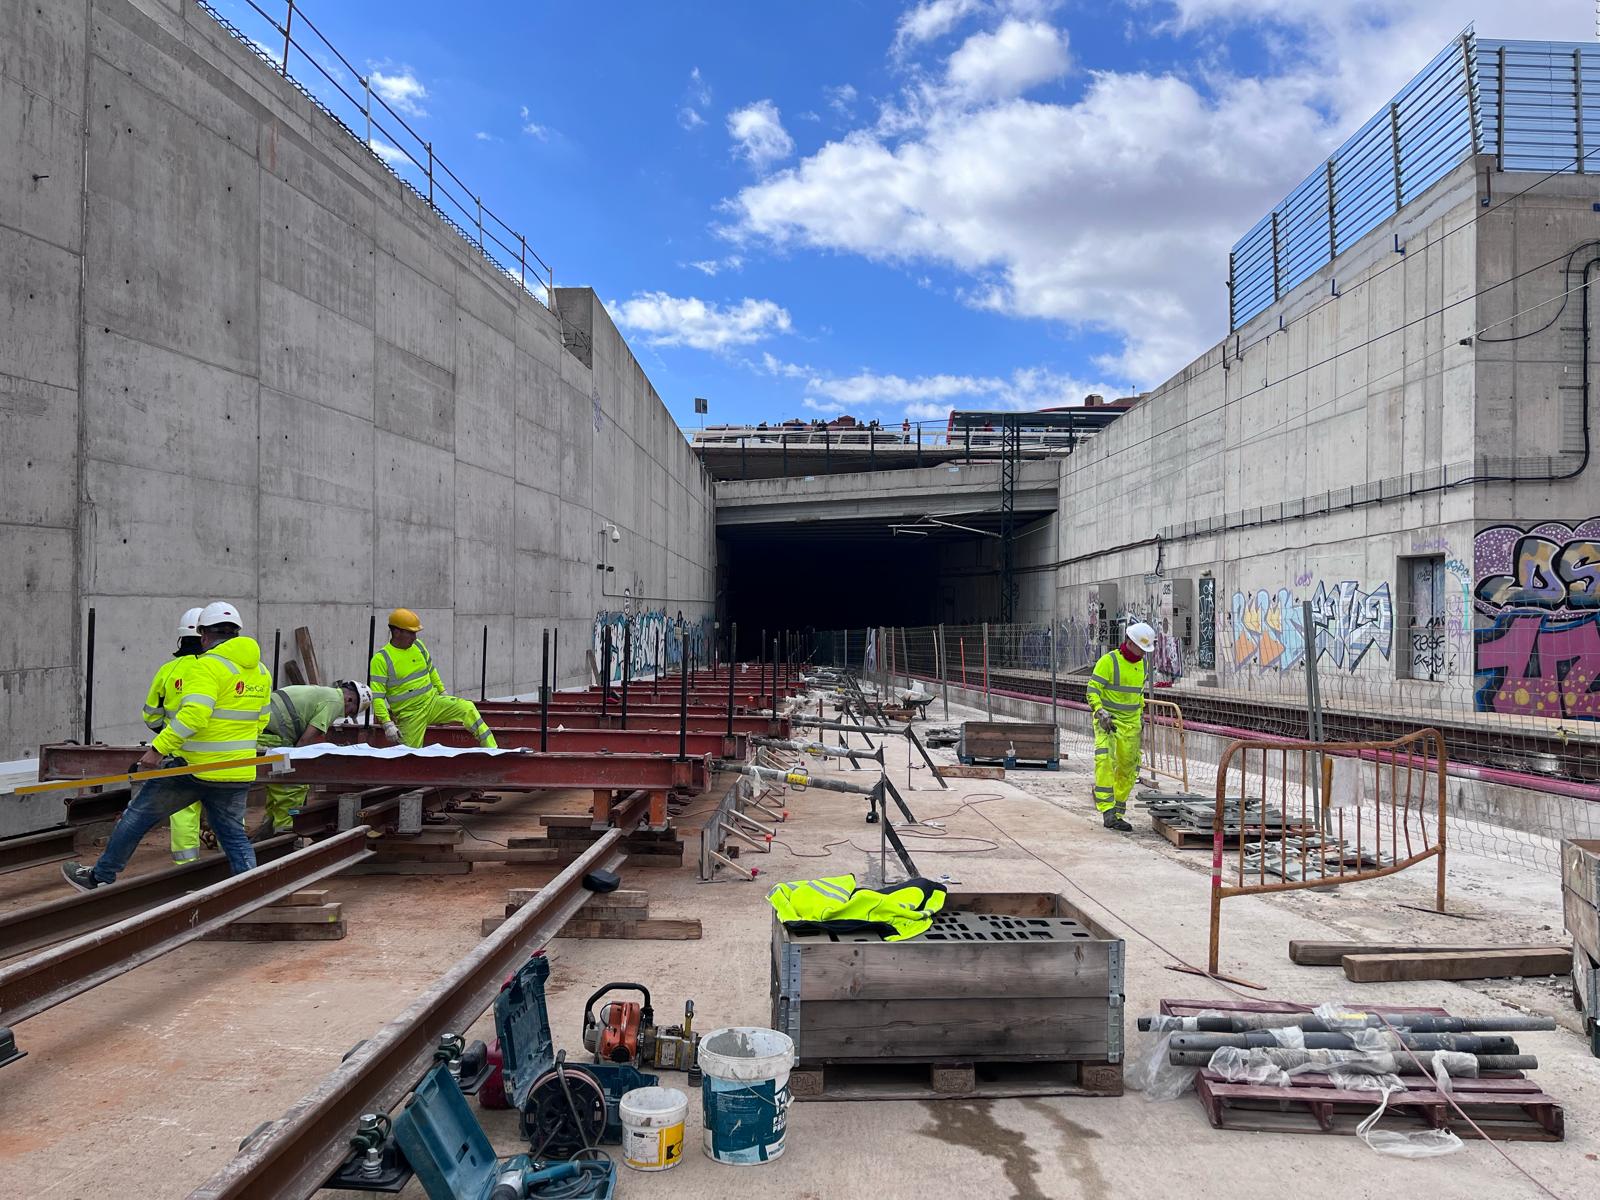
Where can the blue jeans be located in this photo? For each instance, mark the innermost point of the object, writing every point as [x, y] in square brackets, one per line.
[224, 806]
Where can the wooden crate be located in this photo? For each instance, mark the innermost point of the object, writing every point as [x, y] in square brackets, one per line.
[1008, 743]
[1023, 977]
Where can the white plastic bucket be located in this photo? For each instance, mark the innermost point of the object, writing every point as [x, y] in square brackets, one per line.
[745, 1093]
[652, 1127]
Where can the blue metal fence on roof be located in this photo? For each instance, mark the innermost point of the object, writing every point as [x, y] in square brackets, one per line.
[1534, 105]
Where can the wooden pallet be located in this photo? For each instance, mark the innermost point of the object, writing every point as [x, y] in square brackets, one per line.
[1186, 838]
[888, 1080]
[1506, 1108]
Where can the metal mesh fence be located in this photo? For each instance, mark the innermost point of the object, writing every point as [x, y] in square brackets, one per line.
[1515, 692]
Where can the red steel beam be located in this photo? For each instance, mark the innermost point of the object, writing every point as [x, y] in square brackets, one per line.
[743, 723]
[568, 741]
[492, 772]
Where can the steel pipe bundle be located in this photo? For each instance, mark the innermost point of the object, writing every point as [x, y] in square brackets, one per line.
[1410, 1022]
[1419, 1062]
[1464, 1043]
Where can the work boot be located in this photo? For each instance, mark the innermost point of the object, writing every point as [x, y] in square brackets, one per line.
[1112, 819]
[81, 877]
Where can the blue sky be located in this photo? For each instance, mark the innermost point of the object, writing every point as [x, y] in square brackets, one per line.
[891, 209]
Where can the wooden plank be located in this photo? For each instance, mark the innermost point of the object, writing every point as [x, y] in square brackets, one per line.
[1582, 921]
[477, 853]
[1473, 964]
[957, 771]
[308, 655]
[316, 896]
[990, 1081]
[1580, 869]
[656, 929]
[1330, 954]
[864, 971]
[293, 673]
[243, 931]
[1002, 1029]
[433, 835]
[304, 914]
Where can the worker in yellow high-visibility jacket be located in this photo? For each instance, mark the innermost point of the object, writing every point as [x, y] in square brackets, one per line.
[161, 704]
[1116, 704]
[224, 710]
[407, 693]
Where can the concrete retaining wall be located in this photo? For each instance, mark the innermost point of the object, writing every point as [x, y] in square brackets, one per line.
[239, 359]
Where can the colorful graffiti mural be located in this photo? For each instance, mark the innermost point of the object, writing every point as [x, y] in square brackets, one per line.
[1539, 588]
[648, 635]
[1267, 629]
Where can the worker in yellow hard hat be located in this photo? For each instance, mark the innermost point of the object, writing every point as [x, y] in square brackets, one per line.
[407, 693]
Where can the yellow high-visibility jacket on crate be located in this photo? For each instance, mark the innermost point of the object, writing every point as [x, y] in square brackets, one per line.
[837, 905]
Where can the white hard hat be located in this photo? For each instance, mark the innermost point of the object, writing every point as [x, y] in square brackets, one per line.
[363, 694]
[219, 612]
[189, 623]
[1142, 636]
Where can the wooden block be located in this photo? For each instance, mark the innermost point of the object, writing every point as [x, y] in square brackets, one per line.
[320, 914]
[1331, 954]
[952, 1077]
[1580, 869]
[806, 1081]
[1582, 920]
[407, 867]
[308, 655]
[244, 931]
[663, 930]
[293, 673]
[476, 853]
[432, 836]
[621, 898]
[1103, 1079]
[956, 771]
[312, 897]
[1472, 964]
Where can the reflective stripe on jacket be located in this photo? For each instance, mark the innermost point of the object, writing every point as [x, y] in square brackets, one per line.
[400, 678]
[1117, 685]
[165, 697]
[836, 905]
[224, 709]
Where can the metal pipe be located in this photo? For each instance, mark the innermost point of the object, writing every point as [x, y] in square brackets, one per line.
[483, 666]
[774, 693]
[88, 685]
[733, 630]
[605, 669]
[627, 660]
[555, 650]
[1402, 1064]
[1463, 1043]
[372, 648]
[288, 24]
[277, 643]
[683, 709]
[1411, 1022]
[544, 690]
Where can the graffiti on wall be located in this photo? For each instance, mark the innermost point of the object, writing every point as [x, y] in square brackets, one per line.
[1538, 654]
[651, 638]
[1267, 630]
[1206, 623]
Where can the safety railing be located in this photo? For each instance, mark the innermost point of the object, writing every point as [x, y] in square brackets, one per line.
[1319, 814]
[387, 135]
[1166, 749]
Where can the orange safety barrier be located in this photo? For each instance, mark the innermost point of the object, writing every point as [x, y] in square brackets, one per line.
[1165, 750]
[1315, 814]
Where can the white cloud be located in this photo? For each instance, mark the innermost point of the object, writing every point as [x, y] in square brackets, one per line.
[841, 99]
[759, 135]
[663, 320]
[929, 21]
[392, 155]
[715, 266]
[484, 137]
[829, 407]
[273, 53]
[401, 89]
[1024, 389]
[696, 99]
[1017, 56]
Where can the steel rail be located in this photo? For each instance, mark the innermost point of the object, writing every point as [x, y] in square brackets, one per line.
[759, 723]
[31, 985]
[36, 849]
[292, 1157]
[56, 920]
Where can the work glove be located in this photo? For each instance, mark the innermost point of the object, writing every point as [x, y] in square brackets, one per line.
[1105, 720]
[392, 732]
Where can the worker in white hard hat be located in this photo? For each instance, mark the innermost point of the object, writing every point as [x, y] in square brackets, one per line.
[1116, 705]
[407, 693]
[223, 712]
[161, 704]
[300, 715]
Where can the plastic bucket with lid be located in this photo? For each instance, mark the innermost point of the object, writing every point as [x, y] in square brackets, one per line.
[652, 1127]
[745, 1093]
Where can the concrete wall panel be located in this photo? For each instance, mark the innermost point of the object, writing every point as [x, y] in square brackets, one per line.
[313, 552]
[313, 352]
[314, 453]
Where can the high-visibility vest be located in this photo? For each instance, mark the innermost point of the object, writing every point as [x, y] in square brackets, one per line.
[400, 678]
[1117, 686]
[836, 905]
[165, 697]
[224, 711]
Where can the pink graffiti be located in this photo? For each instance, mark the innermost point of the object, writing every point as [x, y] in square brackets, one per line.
[1534, 667]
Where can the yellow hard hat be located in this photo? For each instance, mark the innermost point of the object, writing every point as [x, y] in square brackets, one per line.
[404, 618]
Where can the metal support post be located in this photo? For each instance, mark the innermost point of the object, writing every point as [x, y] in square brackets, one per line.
[988, 695]
[1314, 709]
[627, 662]
[88, 684]
[733, 631]
[430, 175]
[288, 25]
[277, 649]
[683, 709]
[944, 672]
[773, 695]
[372, 648]
[605, 670]
[555, 659]
[661, 662]
[483, 667]
[544, 691]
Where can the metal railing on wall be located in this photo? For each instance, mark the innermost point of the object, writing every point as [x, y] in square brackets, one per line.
[1534, 105]
[450, 198]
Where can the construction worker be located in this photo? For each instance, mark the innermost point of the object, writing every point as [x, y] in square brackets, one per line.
[1116, 704]
[224, 710]
[161, 704]
[407, 693]
[299, 715]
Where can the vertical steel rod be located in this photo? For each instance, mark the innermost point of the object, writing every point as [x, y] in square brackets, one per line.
[544, 690]
[627, 655]
[555, 651]
[277, 644]
[483, 666]
[605, 669]
[732, 642]
[288, 24]
[88, 685]
[683, 708]
[372, 648]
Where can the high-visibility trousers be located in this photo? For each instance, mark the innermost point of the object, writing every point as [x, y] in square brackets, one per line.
[282, 798]
[184, 826]
[414, 719]
[1116, 764]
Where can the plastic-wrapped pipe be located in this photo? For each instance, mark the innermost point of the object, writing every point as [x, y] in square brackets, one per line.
[1419, 1062]
[1412, 1022]
[1466, 1043]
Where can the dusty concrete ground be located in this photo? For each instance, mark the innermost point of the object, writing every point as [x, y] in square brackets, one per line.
[144, 1086]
